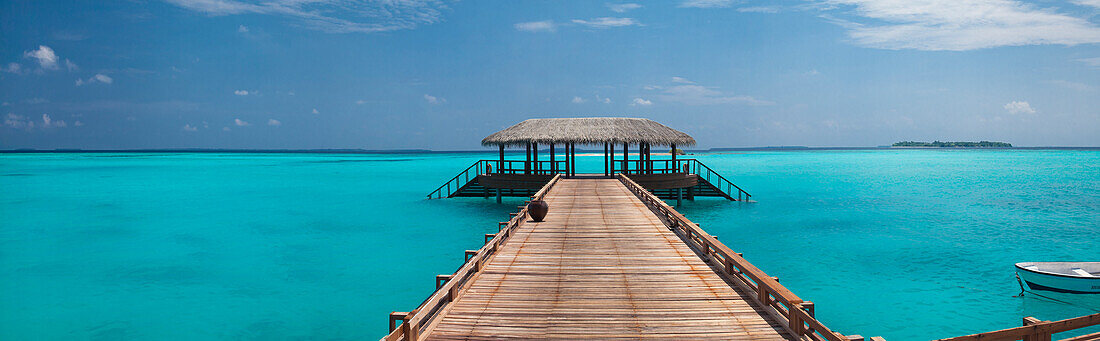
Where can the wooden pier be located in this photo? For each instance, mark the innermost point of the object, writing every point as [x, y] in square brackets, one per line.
[610, 261]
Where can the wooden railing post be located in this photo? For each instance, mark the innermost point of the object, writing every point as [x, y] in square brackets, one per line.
[407, 328]
[1037, 335]
[440, 280]
[396, 316]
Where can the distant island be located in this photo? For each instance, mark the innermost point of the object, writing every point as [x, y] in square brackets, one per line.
[938, 144]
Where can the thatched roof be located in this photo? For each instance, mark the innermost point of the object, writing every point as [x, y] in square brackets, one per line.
[590, 130]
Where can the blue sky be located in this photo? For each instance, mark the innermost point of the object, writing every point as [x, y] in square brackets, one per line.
[444, 74]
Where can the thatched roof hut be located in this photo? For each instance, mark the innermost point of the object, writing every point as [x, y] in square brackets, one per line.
[589, 130]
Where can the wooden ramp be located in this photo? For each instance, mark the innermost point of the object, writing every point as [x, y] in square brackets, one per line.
[601, 265]
[610, 261]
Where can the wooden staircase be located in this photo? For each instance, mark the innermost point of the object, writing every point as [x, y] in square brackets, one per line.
[709, 182]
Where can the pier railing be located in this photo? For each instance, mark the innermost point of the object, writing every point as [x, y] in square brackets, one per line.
[1036, 330]
[768, 292]
[693, 166]
[446, 189]
[408, 325]
[496, 166]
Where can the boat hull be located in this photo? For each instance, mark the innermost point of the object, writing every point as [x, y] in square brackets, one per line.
[1045, 281]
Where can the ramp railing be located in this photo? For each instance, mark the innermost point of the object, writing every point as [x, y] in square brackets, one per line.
[769, 293]
[408, 325]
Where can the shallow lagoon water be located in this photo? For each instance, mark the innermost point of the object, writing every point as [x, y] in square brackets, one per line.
[906, 244]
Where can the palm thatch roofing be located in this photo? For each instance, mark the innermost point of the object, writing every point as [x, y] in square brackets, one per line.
[589, 130]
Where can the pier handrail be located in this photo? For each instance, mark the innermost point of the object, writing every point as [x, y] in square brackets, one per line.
[412, 322]
[507, 167]
[769, 293]
[729, 184]
[465, 174]
[1034, 329]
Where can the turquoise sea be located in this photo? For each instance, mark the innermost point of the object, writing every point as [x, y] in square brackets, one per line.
[905, 244]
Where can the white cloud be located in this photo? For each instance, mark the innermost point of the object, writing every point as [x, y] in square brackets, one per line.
[1093, 62]
[360, 102]
[607, 22]
[274, 122]
[189, 127]
[334, 16]
[239, 122]
[69, 65]
[78, 124]
[759, 9]
[640, 101]
[225, 129]
[98, 78]
[315, 111]
[681, 80]
[1090, 3]
[242, 92]
[434, 100]
[12, 68]
[17, 121]
[1019, 107]
[45, 56]
[242, 29]
[812, 73]
[959, 25]
[621, 8]
[707, 3]
[701, 95]
[20, 122]
[49, 122]
[578, 100]
[537, 26]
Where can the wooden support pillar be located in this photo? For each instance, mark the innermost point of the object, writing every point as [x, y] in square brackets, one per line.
[527, 160]
[567, 163]
[611, 150]
[553, 166]
[626, 159]
[499, 200]
[648, 165]
[679, 197]
[535, 156]
[605, 173]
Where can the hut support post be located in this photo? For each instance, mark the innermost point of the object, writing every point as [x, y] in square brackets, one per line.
[605, 159]
[535, 156]
[567, 162]
[626, 159]
[553, 167]
[499, 200]
[679, 196]
[649, 158]
[500, 165]
[527, 161]
[611, 148]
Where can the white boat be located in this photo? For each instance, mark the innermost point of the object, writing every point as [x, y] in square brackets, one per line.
[1068, 277]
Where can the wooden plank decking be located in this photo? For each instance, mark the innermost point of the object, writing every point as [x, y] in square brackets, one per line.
[602, 265]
